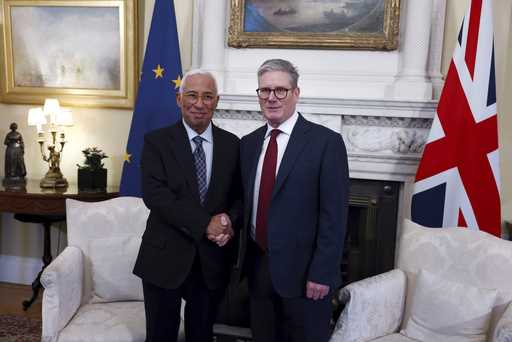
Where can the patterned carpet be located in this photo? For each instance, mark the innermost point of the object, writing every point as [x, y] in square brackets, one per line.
[19, 329]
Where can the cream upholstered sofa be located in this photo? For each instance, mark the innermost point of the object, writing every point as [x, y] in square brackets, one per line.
[90, 291]
[448, 285]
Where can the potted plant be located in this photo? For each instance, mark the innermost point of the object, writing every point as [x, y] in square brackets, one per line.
[92, 176]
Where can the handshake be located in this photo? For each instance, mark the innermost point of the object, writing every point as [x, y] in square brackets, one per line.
[220, 230]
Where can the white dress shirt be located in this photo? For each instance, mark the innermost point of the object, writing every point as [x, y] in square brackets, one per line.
[207, 146]
[282, 139]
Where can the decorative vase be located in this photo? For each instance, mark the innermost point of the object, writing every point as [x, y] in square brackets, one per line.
[92, 180]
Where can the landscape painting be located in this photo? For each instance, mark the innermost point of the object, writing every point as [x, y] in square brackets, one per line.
[83, 52]
[66, 47]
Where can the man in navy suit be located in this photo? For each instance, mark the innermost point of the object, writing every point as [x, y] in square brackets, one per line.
[191, 184]
[295, 179]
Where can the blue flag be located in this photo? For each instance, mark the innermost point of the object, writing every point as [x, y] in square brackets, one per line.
[156, 101]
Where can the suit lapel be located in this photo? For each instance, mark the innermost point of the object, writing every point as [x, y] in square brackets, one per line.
[180, 146]
[295, 145]
[254, 154]
[217, 162]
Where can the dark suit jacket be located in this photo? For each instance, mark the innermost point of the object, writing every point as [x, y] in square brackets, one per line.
[176, 227]
[308, 209]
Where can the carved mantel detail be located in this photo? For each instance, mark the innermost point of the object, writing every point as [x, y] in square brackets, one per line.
[373, 134]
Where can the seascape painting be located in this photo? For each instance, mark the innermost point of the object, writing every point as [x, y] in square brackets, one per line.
[66, 47]
[314, 16]
[317, 24]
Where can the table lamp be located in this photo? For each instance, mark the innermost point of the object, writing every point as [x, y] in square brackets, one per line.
[55, 118]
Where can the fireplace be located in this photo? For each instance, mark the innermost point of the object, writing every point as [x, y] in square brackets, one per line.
[371, 229]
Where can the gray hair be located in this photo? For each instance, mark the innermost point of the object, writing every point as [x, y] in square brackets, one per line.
[197, 72]
[280, 65]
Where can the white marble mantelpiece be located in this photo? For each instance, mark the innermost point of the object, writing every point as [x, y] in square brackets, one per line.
[384, 138]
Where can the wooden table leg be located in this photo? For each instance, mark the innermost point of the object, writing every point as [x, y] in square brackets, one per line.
[47, 258]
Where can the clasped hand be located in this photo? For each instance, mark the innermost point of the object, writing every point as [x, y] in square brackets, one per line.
[220, 230]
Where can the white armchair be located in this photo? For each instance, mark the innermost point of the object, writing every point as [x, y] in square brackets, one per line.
[448, 285]
[90, 291]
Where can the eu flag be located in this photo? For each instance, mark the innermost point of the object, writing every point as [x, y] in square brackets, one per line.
[156, 101]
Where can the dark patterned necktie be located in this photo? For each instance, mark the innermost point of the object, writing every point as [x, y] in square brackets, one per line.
[268, 178]
[200, 163]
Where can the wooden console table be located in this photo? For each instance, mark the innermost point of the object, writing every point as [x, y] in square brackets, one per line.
[45, 206]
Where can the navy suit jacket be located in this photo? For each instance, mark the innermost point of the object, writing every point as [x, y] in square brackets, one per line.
[308, 209]
[176, 227]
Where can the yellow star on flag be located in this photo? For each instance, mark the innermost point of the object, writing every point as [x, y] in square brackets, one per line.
[177, 82]
[159, 72]
[127, 157]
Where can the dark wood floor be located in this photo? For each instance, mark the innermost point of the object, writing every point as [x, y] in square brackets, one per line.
[11, 297]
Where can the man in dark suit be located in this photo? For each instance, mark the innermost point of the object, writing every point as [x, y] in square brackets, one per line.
[295, 179]
[191, 184]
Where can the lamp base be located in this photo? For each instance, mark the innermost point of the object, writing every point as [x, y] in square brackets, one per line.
[53, 180]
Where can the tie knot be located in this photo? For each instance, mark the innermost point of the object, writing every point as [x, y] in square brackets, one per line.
[274, 133]
[198, 140]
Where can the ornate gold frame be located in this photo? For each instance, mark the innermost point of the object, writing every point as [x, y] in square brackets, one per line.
[238, 38]
[124, 97]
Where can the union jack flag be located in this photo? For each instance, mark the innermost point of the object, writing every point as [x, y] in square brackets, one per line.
[458, 179]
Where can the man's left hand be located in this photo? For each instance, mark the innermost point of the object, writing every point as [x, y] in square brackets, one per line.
[316, 291]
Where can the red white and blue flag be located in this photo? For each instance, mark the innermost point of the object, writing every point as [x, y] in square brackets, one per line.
[458, 179]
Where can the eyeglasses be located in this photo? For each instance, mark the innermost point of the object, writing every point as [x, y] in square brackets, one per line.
[207, 98]
[280, 92]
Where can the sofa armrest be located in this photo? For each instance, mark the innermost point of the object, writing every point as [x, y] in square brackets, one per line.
[373, 307]
[504, 327]
[62, 281]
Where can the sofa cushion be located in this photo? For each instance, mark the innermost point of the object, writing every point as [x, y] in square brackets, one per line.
[443, 310]
[113, 322]
[461, 255]
[112, 261]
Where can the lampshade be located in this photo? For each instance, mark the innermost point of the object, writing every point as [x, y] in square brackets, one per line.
[36, 117]
[51, 106]
[64, 117]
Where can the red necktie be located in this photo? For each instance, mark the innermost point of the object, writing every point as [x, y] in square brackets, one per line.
[268, 178]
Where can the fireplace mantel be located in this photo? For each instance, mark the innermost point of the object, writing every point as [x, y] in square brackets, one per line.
[384, 138]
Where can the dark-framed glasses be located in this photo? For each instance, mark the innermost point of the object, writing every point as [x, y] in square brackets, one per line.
[207, 98]
[279, 92]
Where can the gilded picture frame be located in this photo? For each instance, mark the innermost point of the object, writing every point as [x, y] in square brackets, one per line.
[319, 24]
[83, 52]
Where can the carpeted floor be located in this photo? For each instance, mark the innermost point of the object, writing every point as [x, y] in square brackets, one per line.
[19, 329]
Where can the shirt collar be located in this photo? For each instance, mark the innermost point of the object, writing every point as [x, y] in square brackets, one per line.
[206, 135]
[285, 127]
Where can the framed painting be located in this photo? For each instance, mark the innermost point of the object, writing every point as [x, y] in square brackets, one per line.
[83, 52]
[321, 24]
